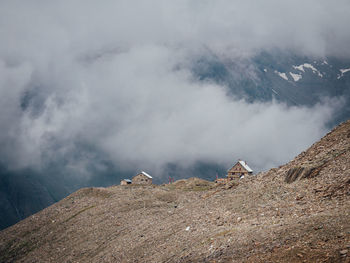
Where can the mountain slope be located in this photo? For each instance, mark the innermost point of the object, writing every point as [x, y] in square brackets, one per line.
[268, 75]
[297, 212]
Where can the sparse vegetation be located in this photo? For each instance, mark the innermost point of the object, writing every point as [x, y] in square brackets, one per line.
[298, 212]
[78, 213]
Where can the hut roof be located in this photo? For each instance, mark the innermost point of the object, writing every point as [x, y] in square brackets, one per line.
[127, 180]
[245, 165]
[146, 174]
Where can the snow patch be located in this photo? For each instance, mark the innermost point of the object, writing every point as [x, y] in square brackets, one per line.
[265, 69]
[282, 75]
[301, 68]
[307, 65]
[343, 70]
[296, 77]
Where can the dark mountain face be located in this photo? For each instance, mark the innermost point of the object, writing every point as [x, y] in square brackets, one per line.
[25, 192]
[284, 77]
[20, 196]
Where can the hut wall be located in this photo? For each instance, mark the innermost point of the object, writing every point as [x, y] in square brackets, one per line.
[237, 171]
[141, 179]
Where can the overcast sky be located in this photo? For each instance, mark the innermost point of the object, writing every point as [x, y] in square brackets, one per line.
[116, 75]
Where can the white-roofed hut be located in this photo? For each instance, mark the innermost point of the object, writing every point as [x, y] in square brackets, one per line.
[239, 170]
[142, 178]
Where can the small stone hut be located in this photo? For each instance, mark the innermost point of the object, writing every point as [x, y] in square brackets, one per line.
[125, 182]
[239, 170]
[142, 178]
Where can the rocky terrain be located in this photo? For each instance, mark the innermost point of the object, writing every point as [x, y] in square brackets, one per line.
[270, 75]
[299, 212]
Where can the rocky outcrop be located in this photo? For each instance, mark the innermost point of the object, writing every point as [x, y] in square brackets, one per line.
[320, 155]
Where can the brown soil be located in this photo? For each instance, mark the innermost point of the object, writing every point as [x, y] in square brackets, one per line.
[299, 212]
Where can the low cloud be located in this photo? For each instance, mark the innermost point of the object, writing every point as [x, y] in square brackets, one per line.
[117, 77]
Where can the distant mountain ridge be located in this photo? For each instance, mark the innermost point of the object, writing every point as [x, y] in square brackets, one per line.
[285, 77]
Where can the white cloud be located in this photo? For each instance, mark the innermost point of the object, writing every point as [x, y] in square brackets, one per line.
[140, 111]
[39, 29]
[116, 75]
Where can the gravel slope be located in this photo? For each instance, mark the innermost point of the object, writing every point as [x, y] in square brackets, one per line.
[299, 212]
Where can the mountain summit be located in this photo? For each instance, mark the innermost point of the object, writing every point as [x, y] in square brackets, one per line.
[298, 212]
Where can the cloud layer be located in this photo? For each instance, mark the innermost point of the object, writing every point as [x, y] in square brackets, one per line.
[117, 76]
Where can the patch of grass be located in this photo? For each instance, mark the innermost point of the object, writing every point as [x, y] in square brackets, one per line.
[27, 233]
[191, 184]
[220, 234]
[13, 250]
[199, 188]
[171, 187]
[166, 197]
[92, 192]
[78, 213]
[223, 233]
